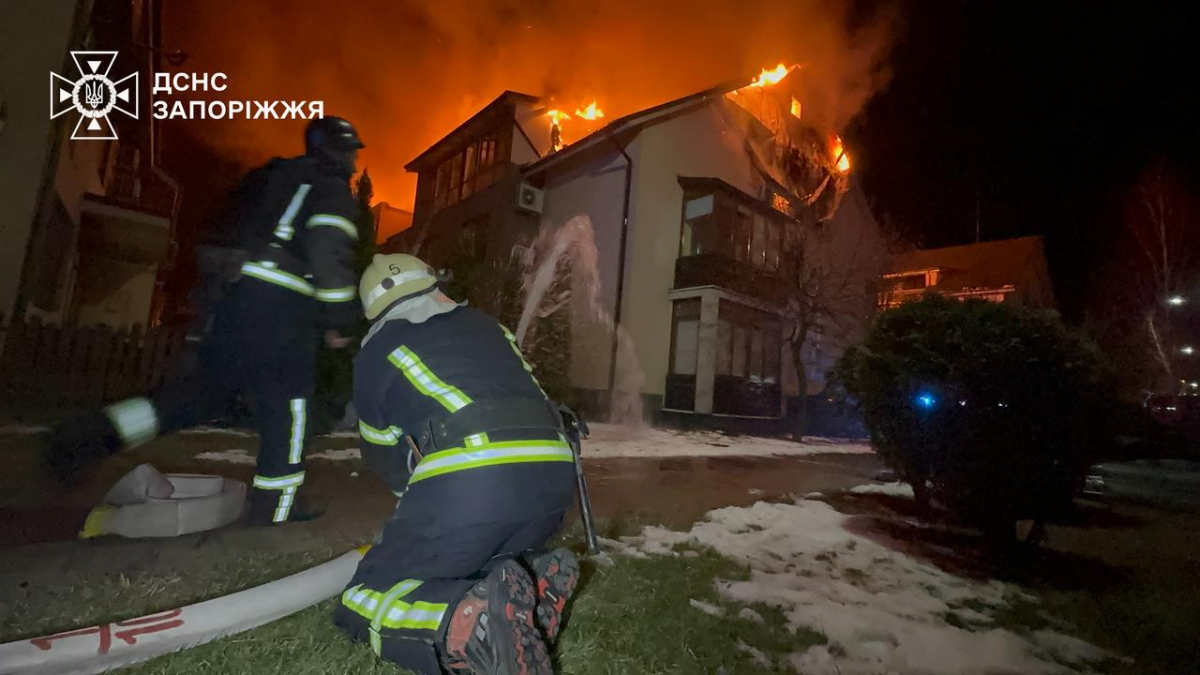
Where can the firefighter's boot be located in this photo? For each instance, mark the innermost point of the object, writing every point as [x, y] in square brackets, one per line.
[273, 507]
[556, 574]
[492, 629]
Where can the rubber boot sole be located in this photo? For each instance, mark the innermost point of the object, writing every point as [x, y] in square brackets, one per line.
[513, 645]
[557, 575]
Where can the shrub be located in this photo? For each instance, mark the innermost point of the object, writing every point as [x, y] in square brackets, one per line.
[992, 410]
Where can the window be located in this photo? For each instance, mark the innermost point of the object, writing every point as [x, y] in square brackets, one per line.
[687, 337]
[469, 171]
[774, 236]
[456, 167]
[680, 392]
[758, 242]
[716, 223]
[748, 365]
[724, 356]
[738, 368]
[699, 227]
[741, 235]
[474, 168]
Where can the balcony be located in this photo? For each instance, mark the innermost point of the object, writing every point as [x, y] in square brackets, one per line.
[714, 269]
[133, 221]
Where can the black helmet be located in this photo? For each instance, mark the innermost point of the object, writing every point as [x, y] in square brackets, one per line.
[330, 134]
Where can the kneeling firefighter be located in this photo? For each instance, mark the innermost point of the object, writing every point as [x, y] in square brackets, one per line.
[454, 421]
[275, 273]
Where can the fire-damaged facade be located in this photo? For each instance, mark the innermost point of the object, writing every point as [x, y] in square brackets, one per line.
[708, 212]
[1010, 270]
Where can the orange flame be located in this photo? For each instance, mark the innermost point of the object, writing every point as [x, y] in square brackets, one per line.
[840, 157]
[557, 116]
[591, 112]
[769, 77]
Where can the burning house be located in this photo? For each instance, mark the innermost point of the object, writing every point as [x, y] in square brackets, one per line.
[713, 216]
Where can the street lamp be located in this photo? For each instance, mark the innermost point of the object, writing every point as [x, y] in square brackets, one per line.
[1187, 350]
[1176, 300]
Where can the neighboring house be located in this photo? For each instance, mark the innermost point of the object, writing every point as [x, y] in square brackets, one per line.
[87, 225]
[1010, 270]
[698, 207]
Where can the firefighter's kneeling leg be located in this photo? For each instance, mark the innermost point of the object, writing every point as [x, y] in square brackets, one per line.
[403, 624]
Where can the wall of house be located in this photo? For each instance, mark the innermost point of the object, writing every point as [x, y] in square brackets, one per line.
[854, 250]
[1034, 286]
[594, 190]
[114, 292]
[35, 35]
[698, 143]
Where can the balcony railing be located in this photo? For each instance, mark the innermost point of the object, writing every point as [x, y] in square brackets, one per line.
[712, 269]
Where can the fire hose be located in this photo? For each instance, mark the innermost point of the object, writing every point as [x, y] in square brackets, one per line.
[97, 649]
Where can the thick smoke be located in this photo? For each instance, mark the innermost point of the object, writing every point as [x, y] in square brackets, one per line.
[408, 72]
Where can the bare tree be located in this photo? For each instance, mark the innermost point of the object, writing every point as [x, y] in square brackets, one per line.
[832, 287]
[1160, 222]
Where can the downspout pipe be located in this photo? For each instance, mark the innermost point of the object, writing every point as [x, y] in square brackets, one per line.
[612, 362]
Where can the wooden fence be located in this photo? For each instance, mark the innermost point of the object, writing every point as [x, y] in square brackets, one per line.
[66, 366]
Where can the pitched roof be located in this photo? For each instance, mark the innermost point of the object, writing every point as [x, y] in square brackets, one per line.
[626, 123]
[480, 119]
[989, 264]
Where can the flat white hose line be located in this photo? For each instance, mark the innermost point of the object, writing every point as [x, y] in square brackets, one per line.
[99, 648]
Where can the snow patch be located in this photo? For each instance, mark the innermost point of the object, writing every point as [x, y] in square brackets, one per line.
[750, 615]
[759, 657]
[620, 547]
[880, 610]
[612, 440]
[707, 608]
[200, 431]
[338, 455]
[890, 489]
[233, 456]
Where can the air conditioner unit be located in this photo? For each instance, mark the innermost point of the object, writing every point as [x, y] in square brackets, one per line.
[530, 198]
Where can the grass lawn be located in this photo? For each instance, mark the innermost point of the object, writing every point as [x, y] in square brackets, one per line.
[648, 615]
[634, 616]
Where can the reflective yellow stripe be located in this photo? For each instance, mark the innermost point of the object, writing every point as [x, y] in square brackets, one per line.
[491, 454]
[389, 436]
[135, 420]
[285, 229]
[452, 398]
[414, 616]
[279, 482]
[283, 507]
[299, 409]
[388, 610]
[343, 294]
[512, 342]
[277, 277]
[330, 220]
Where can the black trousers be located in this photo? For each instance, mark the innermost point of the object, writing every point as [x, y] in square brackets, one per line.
[255, 351]
[448, 532]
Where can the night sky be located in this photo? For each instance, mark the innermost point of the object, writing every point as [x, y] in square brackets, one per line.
[1046, 111]
[1049, 111]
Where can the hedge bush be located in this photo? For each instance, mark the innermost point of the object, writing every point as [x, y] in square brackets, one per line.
[991, 410]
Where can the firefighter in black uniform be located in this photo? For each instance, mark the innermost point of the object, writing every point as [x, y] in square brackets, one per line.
[452, 418]
[274, 277]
